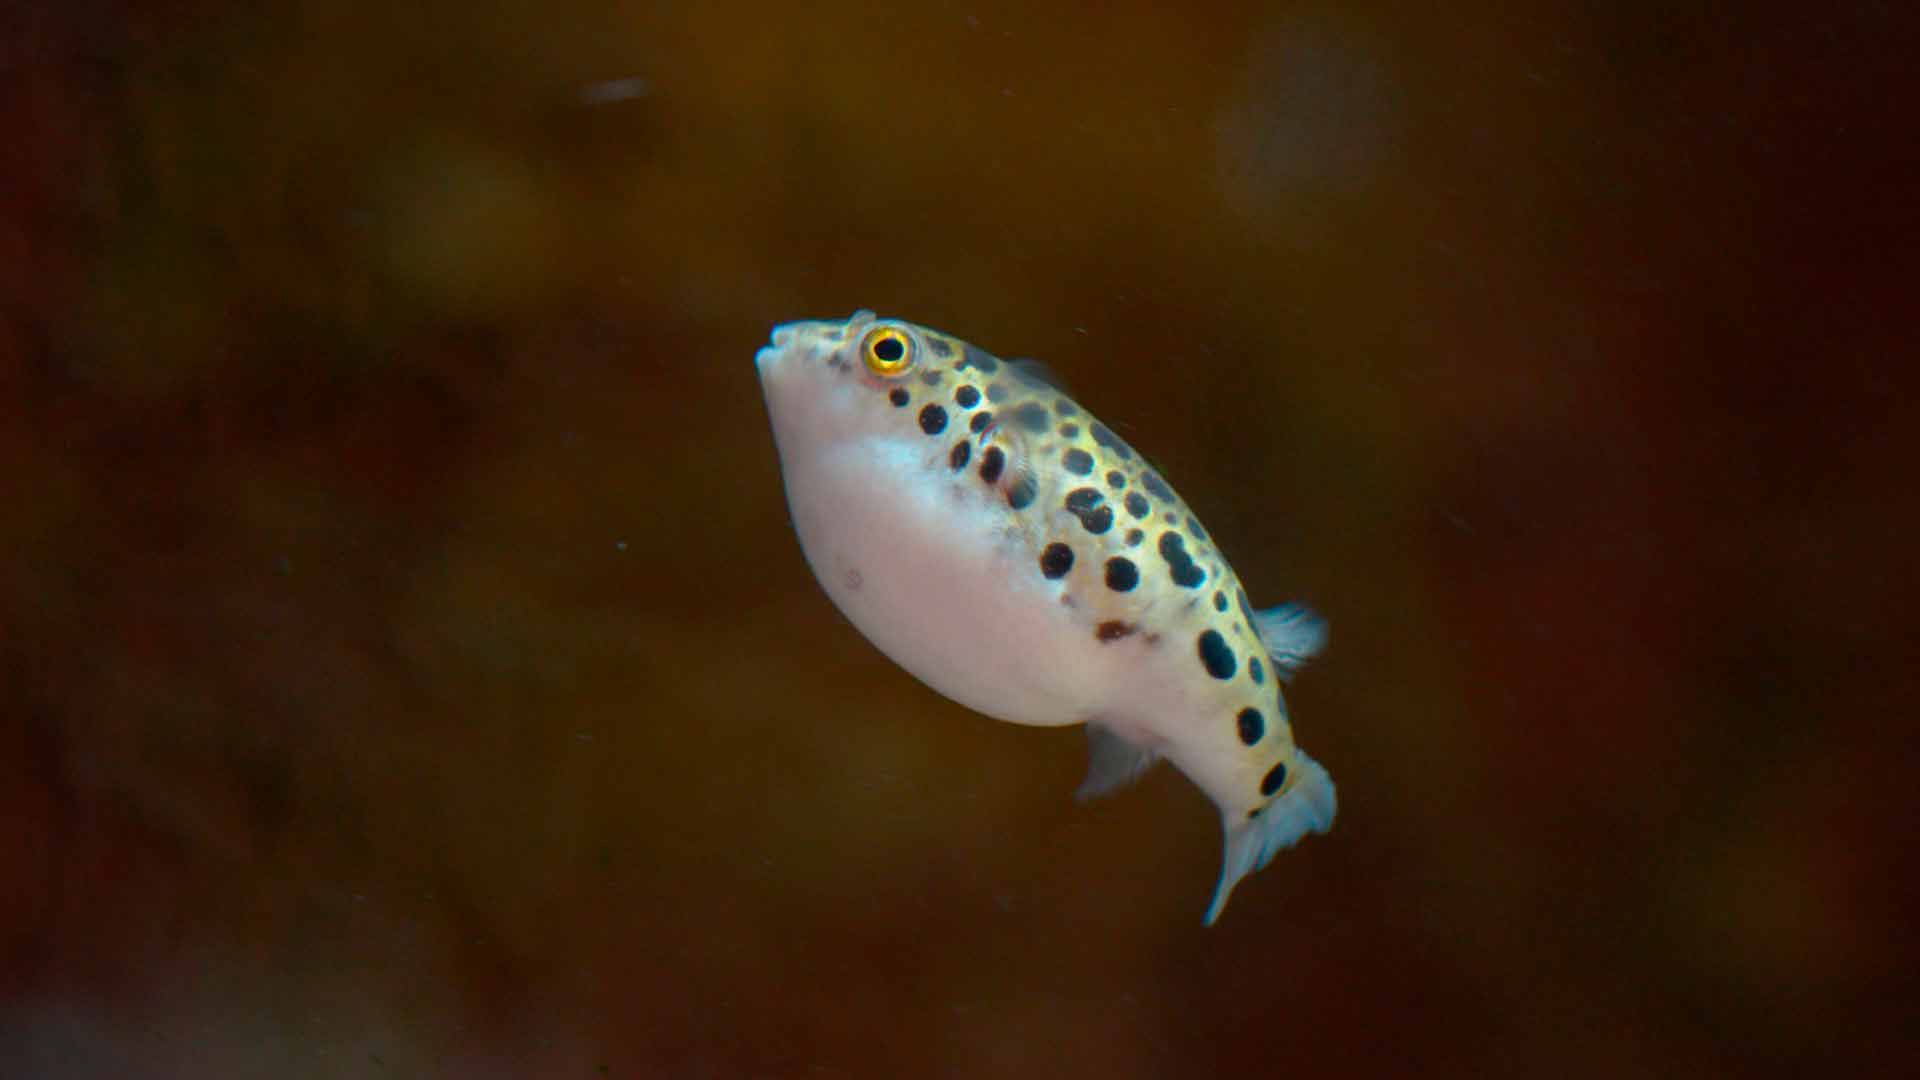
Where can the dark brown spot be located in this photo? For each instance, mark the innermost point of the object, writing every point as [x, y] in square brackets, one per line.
[1030, 415]
[1021, 489]
[1115, 630]
[983, 362]
[1252, 725]
[1180, 565]
[1056, 560]
[1111, 441]
[1275, 779]
[991, 463]
[1217, 656]
[1088, 505]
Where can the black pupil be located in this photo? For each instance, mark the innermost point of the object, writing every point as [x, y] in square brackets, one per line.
[889, 349]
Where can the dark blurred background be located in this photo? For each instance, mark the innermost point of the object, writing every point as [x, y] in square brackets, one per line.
[408, 667]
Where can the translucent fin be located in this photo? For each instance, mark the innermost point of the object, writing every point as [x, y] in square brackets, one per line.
[1293, 633]
[1035, 372]
[1306, 807]
[1112, 762]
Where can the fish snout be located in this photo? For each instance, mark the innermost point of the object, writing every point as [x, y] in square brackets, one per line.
[771, 354]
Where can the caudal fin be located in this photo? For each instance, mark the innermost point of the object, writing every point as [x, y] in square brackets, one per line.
[1306, 807]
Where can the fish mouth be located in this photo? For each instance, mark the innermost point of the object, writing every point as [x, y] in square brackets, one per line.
[782, 339]
[810, 337]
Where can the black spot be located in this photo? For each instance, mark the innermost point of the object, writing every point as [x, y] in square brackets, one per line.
[1275, 779]
[939, 347]
[981, 421]
[991, 463]
[1254, 671]
[1216, 655]
[1156, 487]
[958, 457]
[1138, 506]
[1056, 560]
[933, 419]
[1180, 566]
[1111, 441]
[1090, 507]
[1078, 462]
[1134, 536]
[931, 376]
[1252, 726]
[1064, 407]
[996, 393]
[1114, 630]
[967, 397]
[1122, 575]
[899, 396]
[1032, 415]
[1219, 600]
[1116, 479]
[1069, 431]
[977, 359]
[1020, 490]
[1193, 527]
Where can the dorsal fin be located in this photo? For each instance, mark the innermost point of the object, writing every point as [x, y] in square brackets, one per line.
[1293, 635]
[1112, 762]
[1033, 371]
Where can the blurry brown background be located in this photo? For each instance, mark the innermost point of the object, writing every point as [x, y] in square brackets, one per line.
[408, 668]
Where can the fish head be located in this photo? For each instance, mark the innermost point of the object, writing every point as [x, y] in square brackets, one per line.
[852, 378]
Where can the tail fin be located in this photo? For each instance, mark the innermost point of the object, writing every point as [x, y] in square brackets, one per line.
[1293, 635]
[1306, 807]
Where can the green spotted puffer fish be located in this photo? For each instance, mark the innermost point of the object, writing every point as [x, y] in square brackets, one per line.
[1011, 552]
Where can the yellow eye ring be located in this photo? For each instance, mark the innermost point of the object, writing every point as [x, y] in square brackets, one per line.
[886, 351]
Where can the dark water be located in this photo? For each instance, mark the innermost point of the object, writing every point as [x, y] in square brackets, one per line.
[409, 670]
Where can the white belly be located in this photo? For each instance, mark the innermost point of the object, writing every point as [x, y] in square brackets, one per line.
[935, 575]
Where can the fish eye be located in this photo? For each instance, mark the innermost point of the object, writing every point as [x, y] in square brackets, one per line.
[886, 350]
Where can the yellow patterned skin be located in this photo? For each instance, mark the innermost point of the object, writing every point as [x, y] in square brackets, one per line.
[997, 541]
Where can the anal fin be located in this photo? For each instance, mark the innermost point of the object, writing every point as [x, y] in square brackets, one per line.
[1112, 762]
